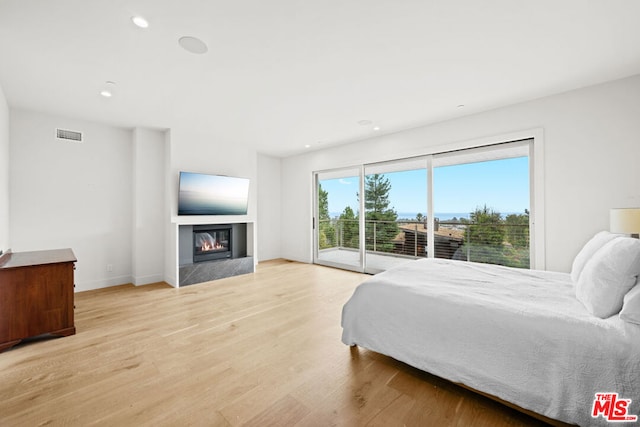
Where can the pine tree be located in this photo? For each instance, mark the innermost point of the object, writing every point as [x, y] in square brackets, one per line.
[376, 195]
[487, 227]
[379, 216]
[326, 231]
[323, 203]
[349, 230]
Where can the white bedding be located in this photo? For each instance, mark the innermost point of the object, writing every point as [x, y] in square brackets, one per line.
[520, 335]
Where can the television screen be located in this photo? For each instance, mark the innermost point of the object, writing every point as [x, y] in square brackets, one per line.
[201, 194]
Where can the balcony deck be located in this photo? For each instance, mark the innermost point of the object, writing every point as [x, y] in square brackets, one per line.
[494, 243]
[351, 257]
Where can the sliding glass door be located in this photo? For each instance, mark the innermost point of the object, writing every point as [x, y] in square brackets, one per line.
[337, 224]
[395, 213]
[470, 205]
[481, 203]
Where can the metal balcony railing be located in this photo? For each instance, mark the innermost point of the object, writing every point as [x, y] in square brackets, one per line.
[493, 243]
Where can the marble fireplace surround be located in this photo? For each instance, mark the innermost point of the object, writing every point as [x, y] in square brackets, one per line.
[241, 261]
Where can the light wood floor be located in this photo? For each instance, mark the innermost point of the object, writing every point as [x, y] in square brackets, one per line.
[256, 350]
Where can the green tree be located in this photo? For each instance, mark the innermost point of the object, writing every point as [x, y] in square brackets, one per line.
[517, 229]
[381, 226]
[493, 240]
[323, 203]
[326, 231]
[419, 217]
[349, 229]
[376, 194]
[517, 251]
[486, 228]
[485, 237]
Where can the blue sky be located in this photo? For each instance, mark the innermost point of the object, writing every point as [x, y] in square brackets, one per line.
[500, 184]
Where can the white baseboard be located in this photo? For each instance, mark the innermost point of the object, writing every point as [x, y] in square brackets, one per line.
[145, 280]
[103, 283]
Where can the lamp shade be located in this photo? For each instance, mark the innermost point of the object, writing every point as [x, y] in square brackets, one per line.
[625, 220]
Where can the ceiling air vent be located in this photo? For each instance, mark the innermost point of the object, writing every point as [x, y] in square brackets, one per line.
[69, 135]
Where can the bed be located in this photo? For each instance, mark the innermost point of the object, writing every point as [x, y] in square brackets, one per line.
[519, 335]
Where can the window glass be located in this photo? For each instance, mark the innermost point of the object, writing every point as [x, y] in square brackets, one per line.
[481, 211]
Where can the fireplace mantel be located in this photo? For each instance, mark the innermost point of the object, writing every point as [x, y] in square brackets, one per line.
[209, 219]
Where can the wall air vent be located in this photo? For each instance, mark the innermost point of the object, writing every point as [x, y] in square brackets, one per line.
[69, 135]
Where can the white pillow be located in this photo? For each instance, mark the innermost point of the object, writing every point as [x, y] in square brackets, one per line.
[588, 250]
[631, 306]
[608, 276]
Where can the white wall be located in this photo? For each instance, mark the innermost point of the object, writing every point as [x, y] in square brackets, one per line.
[76, 195]
[112, 198]
[170, 230]
[148, 202]
[269, 207]
[592, 148]
[193, 151]
[5, 243]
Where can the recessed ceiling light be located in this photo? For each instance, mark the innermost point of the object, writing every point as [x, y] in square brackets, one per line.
[376, 128]
[193, 45]
[364, 122]
[307, 146]
[139, 21]
[108, 90]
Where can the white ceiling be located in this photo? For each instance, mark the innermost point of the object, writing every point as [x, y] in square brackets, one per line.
[281, 74]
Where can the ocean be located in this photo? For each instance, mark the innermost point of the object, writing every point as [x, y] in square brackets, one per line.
[442, 216]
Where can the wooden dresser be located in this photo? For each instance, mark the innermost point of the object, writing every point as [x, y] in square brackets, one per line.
[36, 295]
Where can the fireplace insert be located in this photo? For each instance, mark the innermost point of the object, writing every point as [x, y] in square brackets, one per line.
[211, 242]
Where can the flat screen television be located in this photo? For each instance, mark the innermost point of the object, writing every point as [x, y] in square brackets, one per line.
[201, 194]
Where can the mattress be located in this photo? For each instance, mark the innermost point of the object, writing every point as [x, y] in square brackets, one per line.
[520, 335]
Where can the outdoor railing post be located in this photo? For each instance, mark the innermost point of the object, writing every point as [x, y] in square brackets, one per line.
[415, 241]
[374, 235]
[468, 243]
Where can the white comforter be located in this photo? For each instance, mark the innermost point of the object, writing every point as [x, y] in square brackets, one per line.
[520, 335]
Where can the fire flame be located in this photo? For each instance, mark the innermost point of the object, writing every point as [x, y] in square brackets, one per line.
[206, 242]
[211, 247]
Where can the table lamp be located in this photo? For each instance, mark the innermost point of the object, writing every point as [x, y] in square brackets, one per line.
[625, 221]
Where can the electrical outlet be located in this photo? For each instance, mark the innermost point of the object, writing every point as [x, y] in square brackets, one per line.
[109, 267]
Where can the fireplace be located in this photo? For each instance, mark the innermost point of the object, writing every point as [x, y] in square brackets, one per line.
[211, 242]
[228, 251]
